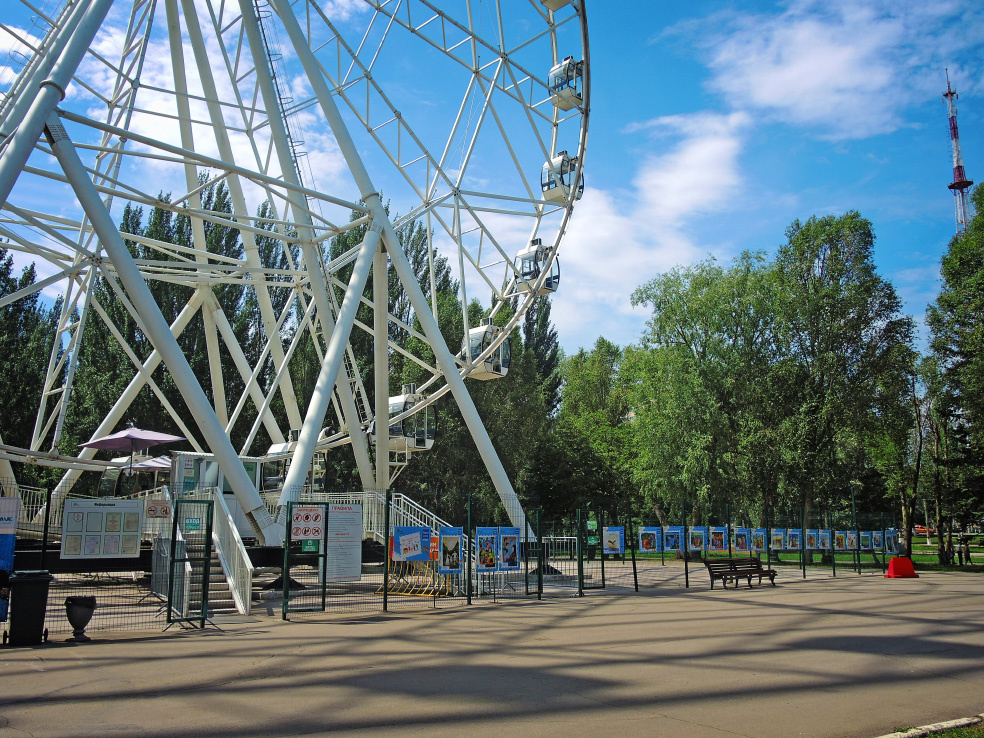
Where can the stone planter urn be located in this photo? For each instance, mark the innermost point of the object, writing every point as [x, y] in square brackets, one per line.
[79, 611]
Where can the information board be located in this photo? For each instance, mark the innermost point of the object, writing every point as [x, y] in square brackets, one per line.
[651, 539]
[411, 543]
[743, 540]
[101, 529]
[487, 549]
[509, 557]
[9, 510]
[613, 540]
[307, 523]
[344, 543]
[449, 550]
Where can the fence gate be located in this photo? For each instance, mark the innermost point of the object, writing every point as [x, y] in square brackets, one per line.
[190, 562]
[305, 576]
[590, 556]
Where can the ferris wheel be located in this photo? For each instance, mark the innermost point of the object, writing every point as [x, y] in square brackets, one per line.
[468, 116]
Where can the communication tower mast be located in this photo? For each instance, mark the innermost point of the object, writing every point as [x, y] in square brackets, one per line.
[960, 183]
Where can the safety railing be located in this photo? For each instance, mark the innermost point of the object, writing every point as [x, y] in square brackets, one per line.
[232, 553]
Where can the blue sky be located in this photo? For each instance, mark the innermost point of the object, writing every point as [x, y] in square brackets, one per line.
[714, 125]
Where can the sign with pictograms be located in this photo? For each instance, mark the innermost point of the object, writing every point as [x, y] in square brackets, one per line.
[307, 523]
[158, 509]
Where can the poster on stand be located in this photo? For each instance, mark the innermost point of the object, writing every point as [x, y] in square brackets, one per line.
[793, 536]
[9, 510]
[697, 540]
[344, 545]
[613, 539]
[877, 539]
[449, 550]
[509, 558]
[650, 540]
[411, 543]
[852, 539]
[743, 540]
[812, 539]
[674, 538]
[486, 549]
[840, 540]
[718, 540]
[778, 542]
[865, 540]
[92, 528]
[758, 539]
[823, 540]
[892, 541]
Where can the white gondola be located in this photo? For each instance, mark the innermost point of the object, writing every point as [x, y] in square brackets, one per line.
[530, 264]
[555, 5]
[479, 339]
[415, 432]
[565, 84]
[556, 179]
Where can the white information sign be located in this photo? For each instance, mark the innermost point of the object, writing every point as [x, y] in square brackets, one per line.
[101, 529]
[344, 543]
[159, 508]
[307, 523]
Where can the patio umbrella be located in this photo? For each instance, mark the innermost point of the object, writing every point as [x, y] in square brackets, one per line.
[132, 440]
[155, 464]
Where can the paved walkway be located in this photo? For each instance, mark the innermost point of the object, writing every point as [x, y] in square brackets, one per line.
[852, 656]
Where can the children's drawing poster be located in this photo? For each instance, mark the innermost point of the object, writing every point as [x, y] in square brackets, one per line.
[411, 543]
[650, 540]
[613, 539]
[697, 540]
[743, 540]
[487, 545]
[674, 538]
[449, 550]
[758, 539]
[509, 558]
[718, 540]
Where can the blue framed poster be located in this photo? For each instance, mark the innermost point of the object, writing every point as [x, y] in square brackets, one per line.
[718, 540]
[674, 538]
[840, 540]
[793, 536]
[758, 539]
[487, 549]
[812, 539]
[892, 541]
[852, 539]
[411, 543]
[9, 510]
[743, 540]
[509, 554]
[865, 542]
[877, 539]
[824, 540]
[778, 540]
[613, 539]
[449, 550]
[650, 540]
[697, 540]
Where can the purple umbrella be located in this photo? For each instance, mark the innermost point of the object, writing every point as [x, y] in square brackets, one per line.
[131, 439]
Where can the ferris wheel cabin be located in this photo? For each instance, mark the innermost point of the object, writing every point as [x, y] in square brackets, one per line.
[557, 178]
[415, 432]
[565, 84]
[496, 365]
[531, 263]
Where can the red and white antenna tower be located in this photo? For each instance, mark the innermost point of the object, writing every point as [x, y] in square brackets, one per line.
[960, 183]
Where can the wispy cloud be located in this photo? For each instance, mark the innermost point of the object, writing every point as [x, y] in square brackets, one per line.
[618, 240]
[848, 68]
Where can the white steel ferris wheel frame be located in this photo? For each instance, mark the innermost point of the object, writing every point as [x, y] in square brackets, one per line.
[95, 163]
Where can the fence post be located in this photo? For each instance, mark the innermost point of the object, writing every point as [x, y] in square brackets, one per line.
[386, 549]
[833, 547]
[601, 543]
[631, 531]
[580, 556]
[685, 545]
[884, 546]
[471, 542]
[768, 534]
[47, 517]
[727, 508]
[803, 540]
[540, 554]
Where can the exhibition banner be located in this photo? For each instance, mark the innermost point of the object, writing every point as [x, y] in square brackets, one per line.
[674, 538]
[613, 539]
[758, 539]
[865, 540]
[778, 542]
[509, 558]
[650, 540]
[876, 540]
[486, 549]
[697, 540]
[852, 539]
[793, 536]
[824, 540]
[449, 550]
[840, 540]
[411, 543]
[718, 540]
[743, 540]
[9, 510]
[812, 539]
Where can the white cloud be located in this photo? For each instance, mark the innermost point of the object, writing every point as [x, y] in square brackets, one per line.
[618, 240]
[343, 10]
[848, 68]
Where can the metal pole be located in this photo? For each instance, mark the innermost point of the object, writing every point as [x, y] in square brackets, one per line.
[803, 540]
[768, 533]
[380, 362]
[404, 271]
[471, 538]
[44, 534]
[631, 531]
[727, 508]
[685, 545]
[929, 539]
[160, 334]
[541, 560]
[601, 540]
[580, 555]
[386, 556]
[833, 547]
[857, 533]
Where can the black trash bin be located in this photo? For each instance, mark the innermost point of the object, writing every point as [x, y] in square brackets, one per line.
[28, 602]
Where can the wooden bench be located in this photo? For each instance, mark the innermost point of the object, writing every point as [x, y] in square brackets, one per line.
[738, 568]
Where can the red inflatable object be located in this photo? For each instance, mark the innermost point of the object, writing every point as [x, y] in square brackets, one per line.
[901, 567]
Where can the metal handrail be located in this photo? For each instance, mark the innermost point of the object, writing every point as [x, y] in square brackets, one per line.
[236, 566]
